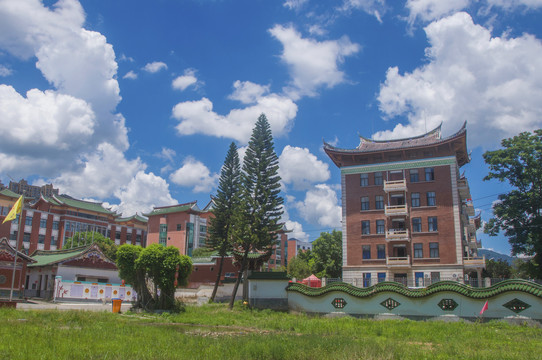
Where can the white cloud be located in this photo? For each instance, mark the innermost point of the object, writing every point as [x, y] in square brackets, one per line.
[194, 174]
[295, 227]
[142, 194]
[294, 4]
[429, 10]
[130, 75]
[248, 92]
[99, 174]
[155, 67]
[321, 206]
[4, 71]
[198, 117]
[167, 154]
[376, 8]
[495, 83]
[312, 64]
[184, 81]
[299, 167]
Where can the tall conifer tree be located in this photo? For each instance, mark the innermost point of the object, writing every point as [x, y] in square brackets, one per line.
[226, 204]
[257, 224]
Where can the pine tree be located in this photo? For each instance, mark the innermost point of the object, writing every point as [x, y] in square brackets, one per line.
[226, 204]
[257, 224]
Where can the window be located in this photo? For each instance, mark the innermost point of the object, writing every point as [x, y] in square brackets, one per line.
[117, 235]
[415, 199]
[417, 225]
[364, 179]
[203, 229]
[366, 279]
[418, 250]
[381, 277]
[379, 202]
[13, 236]
[179, 227]
[365, 203]
[28, 220]
[378, 178]
[41, 239]
[381, 251]
[53, 241]
[55, 225]
[433, 250]
[43, 223]
[431, 199]
[432, 222]
[366, 251]
[435, 277]
[429, 174]
[138, 238]
[5, 210]
[26, 237]
[365, 227]
[380, 227]
[414, 175]
[162, 235]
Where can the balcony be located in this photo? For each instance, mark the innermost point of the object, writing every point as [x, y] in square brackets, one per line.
[469, 208]
[398, 262]
[475, 262]
[395, 185]
[392, 210]
[464, 190]
[397, 235]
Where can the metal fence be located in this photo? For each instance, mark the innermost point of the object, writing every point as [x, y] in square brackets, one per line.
[419, 282]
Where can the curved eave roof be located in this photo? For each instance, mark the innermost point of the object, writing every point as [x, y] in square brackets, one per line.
[78, 204]
[135, 217]
[192, 206]
[430, 139]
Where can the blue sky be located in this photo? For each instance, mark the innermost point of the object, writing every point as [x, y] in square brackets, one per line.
[135, 103]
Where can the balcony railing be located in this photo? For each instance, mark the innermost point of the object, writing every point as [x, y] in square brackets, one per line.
[469, 208]
[391, 210]
[395, 185]
[474, 262]
[398, 261]
[397, 235]
[464, 190]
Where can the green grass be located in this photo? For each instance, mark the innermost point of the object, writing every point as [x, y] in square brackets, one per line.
[213, 332]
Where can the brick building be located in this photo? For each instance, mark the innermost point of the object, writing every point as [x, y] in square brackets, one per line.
[407, 212]
[23, 188]
[296, 246]
[48, 221]
[183, 226]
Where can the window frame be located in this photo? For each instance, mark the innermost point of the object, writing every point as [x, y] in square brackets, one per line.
[379, 180]
[366, 252]
[415, 199]
[365, 203]
[432, 224]
[433, 198]
[365, 227]
[379, 202]
[416, 178]
[380, 226]
[364, 180]
[417, 226]
[434, 250]
[429, 174]
[380, 251]
[418, 250]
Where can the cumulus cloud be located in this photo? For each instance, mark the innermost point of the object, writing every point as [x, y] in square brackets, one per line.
[167, 154]
[196, 175]
[321, 206]
[198, 117]
[312, 64]
[513, 4]
[142, 194]
[4, 71]
[155, 67]
[429, 10]
[100, 173]
[248, 92]
[184, 81]
[495, 83]
[130, 75]
[301, 168]
[295, 227]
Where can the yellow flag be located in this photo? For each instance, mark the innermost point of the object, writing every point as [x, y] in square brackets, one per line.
[16, 209]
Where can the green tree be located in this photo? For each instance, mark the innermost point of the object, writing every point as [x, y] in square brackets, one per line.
[299, 268]
[154, 265]
[327, 255]
[257, 222]
[518, 213]
[202, 252]
[107, 245]
[497, 269]
[226, 205]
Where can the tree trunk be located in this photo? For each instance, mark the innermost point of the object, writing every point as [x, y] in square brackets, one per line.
[218, 278]
[239, 276]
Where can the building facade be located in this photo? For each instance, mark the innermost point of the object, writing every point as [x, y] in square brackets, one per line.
[296, 246]
[407, 212]
[48, 221]
[183, 226]
[23, 188]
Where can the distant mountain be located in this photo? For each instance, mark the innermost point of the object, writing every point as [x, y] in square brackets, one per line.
[490, 254]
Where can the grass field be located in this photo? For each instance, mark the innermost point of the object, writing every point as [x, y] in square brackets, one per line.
[213, 332]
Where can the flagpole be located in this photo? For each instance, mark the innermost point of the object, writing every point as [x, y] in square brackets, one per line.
[17, 252]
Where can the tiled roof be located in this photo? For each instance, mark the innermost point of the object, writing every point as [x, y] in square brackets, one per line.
[133, 217]
[173, 209]
[4, 245]
[83, 205]
[49, 257]
[9, 193]
[442, 286]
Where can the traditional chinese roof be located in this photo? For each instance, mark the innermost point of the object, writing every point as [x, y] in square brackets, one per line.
[7, 249]
[52, 257]
[455, 142]
[7, 192]
[135, 217]
[59, 200]
[191, 206]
